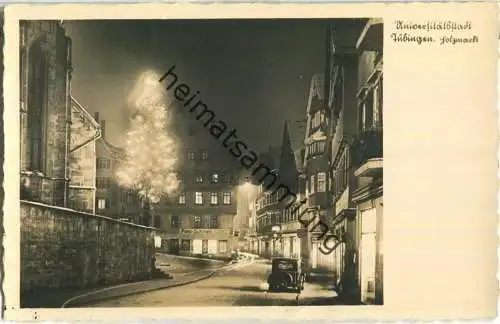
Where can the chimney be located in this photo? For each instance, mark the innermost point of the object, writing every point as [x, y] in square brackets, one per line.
[103, 129]
[96, 117]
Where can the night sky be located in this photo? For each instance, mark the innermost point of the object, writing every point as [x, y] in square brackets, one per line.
[253, 74]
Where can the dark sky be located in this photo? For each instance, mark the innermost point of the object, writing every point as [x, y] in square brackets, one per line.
[253, 74]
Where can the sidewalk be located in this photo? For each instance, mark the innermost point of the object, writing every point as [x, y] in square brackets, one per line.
[56, 298]
[319, 290]
[137, 288]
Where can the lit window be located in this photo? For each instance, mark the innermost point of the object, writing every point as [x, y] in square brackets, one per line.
[199, 178]
[101, 203]
[182, 199]
[190, 155]
[313, 184]
[214, 199]
[222, 246]
[215, 178]
[196, 221]
[227, 198]
[204, 155]
[198, 198]
[321, 182]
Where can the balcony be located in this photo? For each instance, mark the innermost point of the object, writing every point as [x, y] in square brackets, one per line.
[368, 153]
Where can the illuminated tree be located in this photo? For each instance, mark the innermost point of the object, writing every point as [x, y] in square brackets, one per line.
[150, 150]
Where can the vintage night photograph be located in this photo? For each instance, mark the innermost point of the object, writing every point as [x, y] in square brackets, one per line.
[201, 162]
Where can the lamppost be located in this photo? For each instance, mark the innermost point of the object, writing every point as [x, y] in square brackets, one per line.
[275, 229]
[246, 189]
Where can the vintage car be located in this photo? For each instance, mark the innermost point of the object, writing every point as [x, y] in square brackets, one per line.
[286, 273]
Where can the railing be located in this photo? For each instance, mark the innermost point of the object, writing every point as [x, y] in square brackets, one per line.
[368, 145]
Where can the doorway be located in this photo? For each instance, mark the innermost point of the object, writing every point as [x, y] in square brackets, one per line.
[174, 246]
[368, 254]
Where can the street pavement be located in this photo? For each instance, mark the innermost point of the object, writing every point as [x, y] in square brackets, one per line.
[183, 266]
[240, 284]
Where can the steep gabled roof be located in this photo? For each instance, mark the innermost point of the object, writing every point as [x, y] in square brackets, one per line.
[115, 151]
[84, 113]
[80, 141]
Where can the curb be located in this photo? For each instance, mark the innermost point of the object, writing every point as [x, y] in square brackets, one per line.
[75, 301]
[190, 257]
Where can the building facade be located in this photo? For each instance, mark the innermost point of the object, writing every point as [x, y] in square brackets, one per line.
[54, 128]
[267, 209]
[368, 162]
[45, 73]
[84, 133]
[354, 106]
[315, 170]
[341, 104]
[290, 230]
[112, 200]
[202, 219]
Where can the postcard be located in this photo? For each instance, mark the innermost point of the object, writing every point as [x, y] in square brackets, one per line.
[235, 161]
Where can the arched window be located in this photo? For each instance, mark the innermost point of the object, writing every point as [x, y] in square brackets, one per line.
[37, 104]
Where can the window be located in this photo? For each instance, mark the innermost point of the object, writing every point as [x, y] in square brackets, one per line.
[366, 112]
[37, 105]
[214, 198]
[204, 155]
[102, 203]
[222, 246]
[157, 221]
[215, 178]
[102, 183]
[226, 198]
[316, 147]
[182, 199]
[191, 155]
[186, 245]
[180, 177]
[317, 119]
[196, 221]
[204, 246]
[199, 178]
[313, 184]
[377, 105]
[103, 163]
[228, 179]
[214, 223]
[321, 182]
[339, 93]
[175, 221]
[198, 198]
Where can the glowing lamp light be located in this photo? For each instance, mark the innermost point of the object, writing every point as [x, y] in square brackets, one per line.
[246, 187]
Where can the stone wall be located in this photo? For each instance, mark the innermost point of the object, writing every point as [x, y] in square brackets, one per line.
[63, 248]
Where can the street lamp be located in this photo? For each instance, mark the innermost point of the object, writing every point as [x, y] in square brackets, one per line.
[275, 229]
